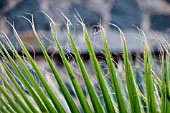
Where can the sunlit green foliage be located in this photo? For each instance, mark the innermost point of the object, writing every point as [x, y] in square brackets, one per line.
[133, 100]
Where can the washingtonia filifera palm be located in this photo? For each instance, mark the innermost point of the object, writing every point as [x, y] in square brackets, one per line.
[129, 99]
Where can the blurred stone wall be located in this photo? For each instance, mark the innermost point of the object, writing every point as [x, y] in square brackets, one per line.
[152, 16]
[149, 15]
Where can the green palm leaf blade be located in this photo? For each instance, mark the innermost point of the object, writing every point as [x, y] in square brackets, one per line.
[85, 106]
[13, 91]
[33, 109]
[30, 78]
[15, 83]
[163, 95]
[52, 96]
[63, 88]
[8, 108]
[119, 96]
[98, 73]
[135, 107]
[2, 109]
[149, 82]
[131, 87]
[167, 84]
[10, 100]
[45, 100]
[24, 107]
[19, 74]
[96, 105]
[26, 84]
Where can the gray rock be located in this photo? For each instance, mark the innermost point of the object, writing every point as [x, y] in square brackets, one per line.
[89, 17]
[168, 1]
[3, 3]
[28, 6]
[160, 22]
[126, 13]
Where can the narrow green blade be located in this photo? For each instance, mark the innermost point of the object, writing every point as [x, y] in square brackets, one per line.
[6, 105]
[15, 83]
[98, 73]
[119, 96]
[163, 95]
[63, 88]
[24, 107]
[132, 92]
[85, 106]
[2, 109]
[31, 79]
[149, 82]
[96, 105]
[21, 76]
[11, 102]
[52, 96]
[167, 84]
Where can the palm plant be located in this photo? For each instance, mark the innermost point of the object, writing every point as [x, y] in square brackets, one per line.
[46, 101]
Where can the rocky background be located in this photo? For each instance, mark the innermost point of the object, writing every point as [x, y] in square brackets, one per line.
[152, 16]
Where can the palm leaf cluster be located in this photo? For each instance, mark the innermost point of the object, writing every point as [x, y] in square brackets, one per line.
[46, 101]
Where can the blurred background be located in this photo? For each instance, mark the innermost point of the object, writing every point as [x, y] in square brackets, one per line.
[152, 16]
